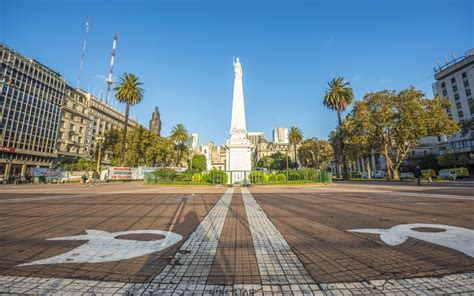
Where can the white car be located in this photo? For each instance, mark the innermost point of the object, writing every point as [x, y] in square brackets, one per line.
[448, 174]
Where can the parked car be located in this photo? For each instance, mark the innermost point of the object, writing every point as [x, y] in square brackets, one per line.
[448, 174]
[453, 174]
[377, 174]
[406, 175]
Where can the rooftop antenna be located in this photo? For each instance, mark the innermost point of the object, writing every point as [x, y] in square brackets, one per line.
[84, 45]
[111, 69]
[446, 60]
[453, 55]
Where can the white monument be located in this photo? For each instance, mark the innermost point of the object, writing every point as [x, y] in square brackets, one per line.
[238, 147]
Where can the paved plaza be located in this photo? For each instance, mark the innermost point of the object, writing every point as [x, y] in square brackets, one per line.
[341, 239]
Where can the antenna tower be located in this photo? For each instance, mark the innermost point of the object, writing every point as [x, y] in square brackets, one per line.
[111, 69]
[83, 53]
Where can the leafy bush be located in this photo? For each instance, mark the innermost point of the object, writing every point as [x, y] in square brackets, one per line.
[165, 174]
[215, 177]
[428, 173]
[276, 177]
[197, 177]
[258, 177]
[187, 177]
[355, 175]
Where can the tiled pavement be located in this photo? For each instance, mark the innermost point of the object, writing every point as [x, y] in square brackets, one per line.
[281, 272]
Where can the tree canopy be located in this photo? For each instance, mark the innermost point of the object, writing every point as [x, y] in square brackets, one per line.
[315, 153]
[391, 123]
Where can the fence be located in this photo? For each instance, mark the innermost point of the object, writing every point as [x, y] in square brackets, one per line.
[305, 176]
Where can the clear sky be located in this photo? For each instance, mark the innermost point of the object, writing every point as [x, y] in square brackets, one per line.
[182, 51]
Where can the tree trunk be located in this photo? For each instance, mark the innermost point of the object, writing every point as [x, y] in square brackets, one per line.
[296, 160]
[124, 138]
[395, 172]
[345, 175]
[367, 166]
[388, 163]
[286, 159]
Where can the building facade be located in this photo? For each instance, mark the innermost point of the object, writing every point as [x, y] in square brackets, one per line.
[72, 135]
[30, 105]
[455, 81]
[102, 119]
[42, 119]
[280, 135]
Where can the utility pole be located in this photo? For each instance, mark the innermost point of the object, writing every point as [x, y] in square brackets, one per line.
[111, 69]
[83, 52]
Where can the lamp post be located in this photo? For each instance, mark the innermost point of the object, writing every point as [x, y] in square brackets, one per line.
[99, 143]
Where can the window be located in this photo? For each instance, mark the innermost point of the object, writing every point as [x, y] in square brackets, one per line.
[445, 93]
[468, 92]
[455, 88]
[443, 84]
[466, 83]
[464, 74]
[458, 105]
[456, 97]
[460, 114]
[453, 80]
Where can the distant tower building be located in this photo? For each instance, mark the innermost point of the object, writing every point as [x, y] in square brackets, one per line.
[155, 122]
[193, 141]
[280, 135]
[256, 137]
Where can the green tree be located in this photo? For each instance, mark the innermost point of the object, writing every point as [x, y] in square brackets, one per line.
[335, 141]
[138, 140]
[112, 145]
[198, 163]
[179, 135]
[314, 153]
[295, 136]
[338, 97]
[453, 160]
[265, 162]
[360, 135]
[128, 91]
[399, 119]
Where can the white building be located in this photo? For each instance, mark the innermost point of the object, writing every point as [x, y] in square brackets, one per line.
[455, 81]
[280, 135]
[193, 141]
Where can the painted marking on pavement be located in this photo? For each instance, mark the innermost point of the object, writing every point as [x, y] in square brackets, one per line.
[457, 238]
[103, 246]
[277, 263]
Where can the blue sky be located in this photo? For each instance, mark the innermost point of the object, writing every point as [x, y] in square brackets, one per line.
[182, 51]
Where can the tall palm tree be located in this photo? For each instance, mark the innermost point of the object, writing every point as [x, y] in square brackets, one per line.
[128, 91]
[179, 135]
[295, 137]
[338, 97]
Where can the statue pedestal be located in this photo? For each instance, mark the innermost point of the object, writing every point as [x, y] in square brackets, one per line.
[239, 161]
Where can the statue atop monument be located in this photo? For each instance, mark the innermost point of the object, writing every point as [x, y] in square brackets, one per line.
[237, 68]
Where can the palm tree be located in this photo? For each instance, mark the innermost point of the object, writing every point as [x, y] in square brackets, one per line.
[179, 135]
[128, 91]
[338, 97]
[295, 136]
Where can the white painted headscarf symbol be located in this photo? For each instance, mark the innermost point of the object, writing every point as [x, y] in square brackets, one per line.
[457, 238]
[103, 246]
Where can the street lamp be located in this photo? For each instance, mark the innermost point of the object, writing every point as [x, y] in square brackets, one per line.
[99, 140]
